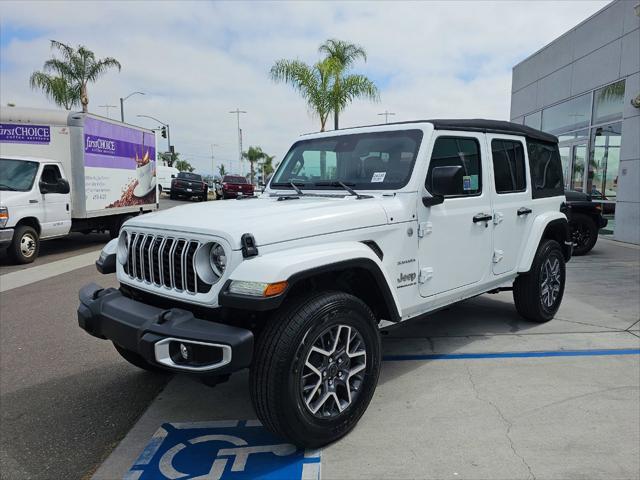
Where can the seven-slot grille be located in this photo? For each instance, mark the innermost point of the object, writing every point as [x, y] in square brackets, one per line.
[165, 261]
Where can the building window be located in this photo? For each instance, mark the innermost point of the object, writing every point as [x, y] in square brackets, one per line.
[602, 178]
[508, 166]
[566, 116]
[534, 120]
[608, 103]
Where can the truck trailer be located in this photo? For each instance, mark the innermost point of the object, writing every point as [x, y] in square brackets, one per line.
[63, 172]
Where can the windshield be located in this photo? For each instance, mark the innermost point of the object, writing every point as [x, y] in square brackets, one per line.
[190, 176]
[369, 161]
[234, 179]
[17, 175]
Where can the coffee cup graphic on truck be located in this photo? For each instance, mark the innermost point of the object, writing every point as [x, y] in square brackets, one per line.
[144, 173]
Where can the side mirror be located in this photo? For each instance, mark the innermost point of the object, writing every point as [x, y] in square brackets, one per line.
[444, 181]
[63, 186]
[173, 176]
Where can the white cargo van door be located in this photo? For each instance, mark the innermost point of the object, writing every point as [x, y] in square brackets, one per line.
[455, 235]
[56, 206]
[512, 205]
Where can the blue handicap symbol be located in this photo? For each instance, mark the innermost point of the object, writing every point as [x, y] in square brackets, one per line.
[222, 450]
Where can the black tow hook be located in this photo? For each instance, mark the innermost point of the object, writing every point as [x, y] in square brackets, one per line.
[163, 317]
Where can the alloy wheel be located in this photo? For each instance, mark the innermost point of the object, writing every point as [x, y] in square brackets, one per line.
[550, 282]
[334, 371]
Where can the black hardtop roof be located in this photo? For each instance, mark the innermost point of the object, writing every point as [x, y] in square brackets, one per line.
[478, 125]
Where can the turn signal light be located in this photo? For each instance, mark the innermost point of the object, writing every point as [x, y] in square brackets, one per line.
[275, 289]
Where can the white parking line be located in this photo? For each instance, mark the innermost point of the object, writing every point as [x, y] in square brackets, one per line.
[21, 278]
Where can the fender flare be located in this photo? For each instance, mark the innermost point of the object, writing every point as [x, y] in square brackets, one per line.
[297, 264]
[536, 234]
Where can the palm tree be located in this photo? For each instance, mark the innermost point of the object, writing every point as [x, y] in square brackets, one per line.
[78, 67]
[345, 87]
[183, 166]
[267, 165]
[253, 155]
[57, 88]
[221, 170]
[312, 82]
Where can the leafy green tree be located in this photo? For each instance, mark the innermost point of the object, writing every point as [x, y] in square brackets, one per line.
[313, 83]
[346, 87]
[267, 165]
[221, 170]
[253, 155]
[56, 88]
[168, 158]
[77, 66]
[183, 165]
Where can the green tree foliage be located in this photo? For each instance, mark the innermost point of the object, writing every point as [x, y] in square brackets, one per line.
[221, 170]
[168, 158]
[327, 86]
[77, 67]
[182, 165]
[253, 155]
[346, 87]
[56, 88]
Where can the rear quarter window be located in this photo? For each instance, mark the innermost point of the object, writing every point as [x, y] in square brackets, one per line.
[545, 167]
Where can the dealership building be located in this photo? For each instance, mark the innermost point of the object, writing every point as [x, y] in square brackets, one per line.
[584, 87]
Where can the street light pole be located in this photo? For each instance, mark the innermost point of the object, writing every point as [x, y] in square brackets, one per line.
[386, 114]
[122, 104]
[107, 107]
[161, 123]
[237, 111]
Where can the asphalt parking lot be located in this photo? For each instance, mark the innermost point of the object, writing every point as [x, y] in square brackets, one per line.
[472, 392]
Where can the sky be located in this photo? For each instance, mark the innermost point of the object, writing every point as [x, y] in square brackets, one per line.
[196, 61]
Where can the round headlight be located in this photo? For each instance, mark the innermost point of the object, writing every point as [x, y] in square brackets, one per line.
[123, 248]
[218, 259]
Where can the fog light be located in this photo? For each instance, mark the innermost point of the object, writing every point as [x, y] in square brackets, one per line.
[184, 352]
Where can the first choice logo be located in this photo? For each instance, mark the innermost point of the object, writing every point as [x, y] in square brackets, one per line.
[25, 133]
[99, 145]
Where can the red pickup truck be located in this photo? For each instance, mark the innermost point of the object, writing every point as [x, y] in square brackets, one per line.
[235, 185]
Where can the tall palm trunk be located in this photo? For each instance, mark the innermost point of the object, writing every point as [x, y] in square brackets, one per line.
[84, 98]
[252, 172]
[335, 119]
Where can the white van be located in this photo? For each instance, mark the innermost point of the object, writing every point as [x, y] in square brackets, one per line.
[164, 176]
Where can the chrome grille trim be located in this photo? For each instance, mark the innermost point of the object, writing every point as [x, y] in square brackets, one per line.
[147, 263]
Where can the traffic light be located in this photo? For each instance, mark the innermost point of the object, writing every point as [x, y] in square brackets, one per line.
[163, 132]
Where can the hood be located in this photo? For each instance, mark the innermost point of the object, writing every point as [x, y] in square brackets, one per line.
[14, 199]
[269, 220]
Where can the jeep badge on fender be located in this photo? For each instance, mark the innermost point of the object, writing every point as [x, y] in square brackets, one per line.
[293, 285]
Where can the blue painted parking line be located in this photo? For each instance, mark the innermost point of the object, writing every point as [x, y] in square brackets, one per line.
[222, 450]
[533, 354]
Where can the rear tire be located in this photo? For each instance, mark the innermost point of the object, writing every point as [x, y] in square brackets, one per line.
[25, 245]
[172, 196]
[290, 378]
[538, 293]
[584, 233]
[137, 361]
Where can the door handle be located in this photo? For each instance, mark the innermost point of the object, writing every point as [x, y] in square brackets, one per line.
[524, 211]
[481, 217]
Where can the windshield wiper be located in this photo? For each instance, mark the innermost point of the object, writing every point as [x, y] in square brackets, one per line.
[295, 185]
[8, 187]
[346, 186]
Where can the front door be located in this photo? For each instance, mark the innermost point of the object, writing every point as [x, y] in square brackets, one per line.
[57, 214]
[455, 236]
[512, 205]
[574, 162]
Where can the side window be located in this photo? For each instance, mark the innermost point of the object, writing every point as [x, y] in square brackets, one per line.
[50, 174]
[458, 151]
[508, 166]
[546, 169]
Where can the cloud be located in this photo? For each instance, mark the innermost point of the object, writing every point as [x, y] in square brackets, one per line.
[196, 61]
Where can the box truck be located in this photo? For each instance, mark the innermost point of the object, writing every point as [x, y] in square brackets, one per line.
[63, 172]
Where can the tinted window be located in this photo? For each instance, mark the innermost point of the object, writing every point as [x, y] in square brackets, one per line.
[190, 176]
[458, 151]
[234, 179]
[570, 115]
[546, 169]
[608, 103]
[17, 175]
[50, 174]
[508, 166]
[376, 161]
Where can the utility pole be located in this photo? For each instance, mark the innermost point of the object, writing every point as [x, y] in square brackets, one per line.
[386, 114]
[213, 169]
[108, 107]
[237, 111]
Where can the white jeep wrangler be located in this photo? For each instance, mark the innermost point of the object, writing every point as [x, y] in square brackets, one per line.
[357, 228]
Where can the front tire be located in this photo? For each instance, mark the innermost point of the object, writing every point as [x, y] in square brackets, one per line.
[584, 233]
[25, 245]
[315, 368]
[538, 293]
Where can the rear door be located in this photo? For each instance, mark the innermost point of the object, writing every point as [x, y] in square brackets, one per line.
[455, 236]
[512, 204]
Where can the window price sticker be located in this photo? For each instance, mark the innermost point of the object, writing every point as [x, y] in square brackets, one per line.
[378, 177]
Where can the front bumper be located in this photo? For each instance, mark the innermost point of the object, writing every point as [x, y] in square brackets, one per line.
[150, 332]
[6, 236]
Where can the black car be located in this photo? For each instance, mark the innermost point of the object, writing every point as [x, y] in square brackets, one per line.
[188, 185]
[585, 219]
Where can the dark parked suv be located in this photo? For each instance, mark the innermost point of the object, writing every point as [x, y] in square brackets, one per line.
[585, 219]
[188, 185]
